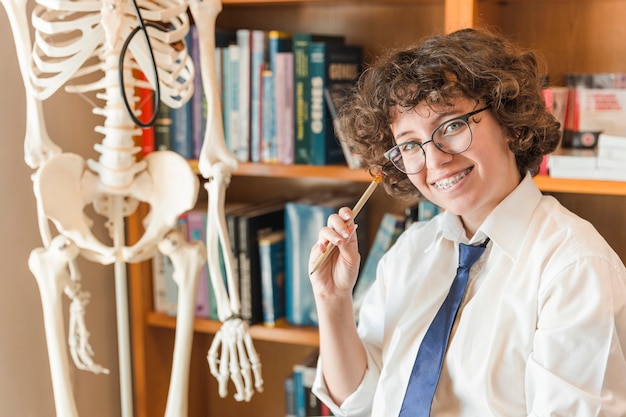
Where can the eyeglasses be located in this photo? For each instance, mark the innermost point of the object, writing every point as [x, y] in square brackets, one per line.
[453, 137]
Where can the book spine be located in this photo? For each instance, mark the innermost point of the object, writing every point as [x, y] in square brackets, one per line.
[283, 90]
[245, 278]
[317, 124]
[302, 221]
[234, 127]
[281, 84]
[269, 152]
[146, 105]
[181, 131]
[307, 403]
[388, 231]
[336, 68]
[272, 267]
[290, 398]
[301, 98]
[258, 50]
[163, 129]
[243, 41]
[198, 100]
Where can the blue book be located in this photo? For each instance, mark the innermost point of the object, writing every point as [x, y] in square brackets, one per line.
[302, 90]
[243, 42]
[269, 145]
[237, 146]
[331, 67]
[303, 220]
[391, 225]
[182, 125]
[272, 264]
[306, 403]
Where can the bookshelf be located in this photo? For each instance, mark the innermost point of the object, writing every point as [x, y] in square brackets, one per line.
[573, 35]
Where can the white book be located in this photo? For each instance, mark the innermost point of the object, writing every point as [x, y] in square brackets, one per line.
[611, 141]
[616, 154]
[573, 158]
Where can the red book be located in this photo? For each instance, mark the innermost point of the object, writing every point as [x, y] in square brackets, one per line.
[146, 96]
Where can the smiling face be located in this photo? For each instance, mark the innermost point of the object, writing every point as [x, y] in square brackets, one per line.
[470, 184]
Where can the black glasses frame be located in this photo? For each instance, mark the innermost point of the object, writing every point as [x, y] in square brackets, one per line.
[464, 118]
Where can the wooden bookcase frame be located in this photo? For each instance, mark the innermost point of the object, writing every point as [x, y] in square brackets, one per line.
[574, 35]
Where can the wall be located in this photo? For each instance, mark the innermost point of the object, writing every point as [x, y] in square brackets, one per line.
[25, 384]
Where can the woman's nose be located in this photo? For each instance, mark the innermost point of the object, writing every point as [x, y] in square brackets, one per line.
[435, 157]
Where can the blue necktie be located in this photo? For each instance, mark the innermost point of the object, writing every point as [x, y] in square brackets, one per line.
[427, 368]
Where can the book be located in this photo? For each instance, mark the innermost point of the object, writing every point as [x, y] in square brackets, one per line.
[232, 107]
[303, 220]
[181, 137]
[290, 396]
[335, 67]
[596, 104]
[272, 266]
[252, 223]
[606, 141]
[302, 89]
[269, 151]
[334, 100]
[306, 403]
[198, 100]
[146, 105]
[279, 42]
[163, 129]
[283, 90]
[258, 59]
[390, 227]
[243, 41]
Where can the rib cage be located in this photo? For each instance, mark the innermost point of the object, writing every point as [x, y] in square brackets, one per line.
[72, 43]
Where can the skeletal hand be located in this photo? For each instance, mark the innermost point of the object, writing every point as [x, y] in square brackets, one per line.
[78, 337]
[238, 358]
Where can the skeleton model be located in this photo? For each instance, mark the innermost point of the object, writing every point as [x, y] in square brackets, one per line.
[91, 46]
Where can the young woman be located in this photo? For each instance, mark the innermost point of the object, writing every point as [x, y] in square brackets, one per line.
[541, 328]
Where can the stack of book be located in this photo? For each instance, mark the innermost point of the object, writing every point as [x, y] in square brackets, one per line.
[279, 94]
[607, 161]
[596, 104]
[271, 243]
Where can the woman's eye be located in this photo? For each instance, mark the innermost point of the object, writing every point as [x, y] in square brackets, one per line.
[410, 146]
[453, 127]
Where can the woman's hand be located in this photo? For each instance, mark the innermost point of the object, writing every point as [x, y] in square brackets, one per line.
[337, 276]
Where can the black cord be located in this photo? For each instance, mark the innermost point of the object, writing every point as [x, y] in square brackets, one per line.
[157, 91]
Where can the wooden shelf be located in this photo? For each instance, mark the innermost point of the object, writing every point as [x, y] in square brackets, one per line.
[334, 2]
[282, 333]
[576, 186]
[337, 172]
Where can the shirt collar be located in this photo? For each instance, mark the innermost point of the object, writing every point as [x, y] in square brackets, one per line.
[498, 226]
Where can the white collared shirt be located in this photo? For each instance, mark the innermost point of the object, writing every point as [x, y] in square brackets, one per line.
[541, 331]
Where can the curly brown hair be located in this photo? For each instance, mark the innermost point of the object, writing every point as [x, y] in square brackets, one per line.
[470, 63]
